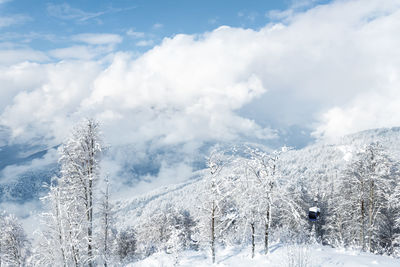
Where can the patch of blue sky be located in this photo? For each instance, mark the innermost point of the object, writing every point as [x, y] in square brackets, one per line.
[141, 24]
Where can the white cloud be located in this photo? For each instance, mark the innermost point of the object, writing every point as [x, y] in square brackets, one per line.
[6, 21]
[372, 110]
[145, 43]
[97, 38]
[135, 34]
[48, 109]
[12, 56]
[74, 52]
[333, 67]
[19, 77]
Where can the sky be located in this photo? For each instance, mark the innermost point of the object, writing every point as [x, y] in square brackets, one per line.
[176, 75]
[136, 25]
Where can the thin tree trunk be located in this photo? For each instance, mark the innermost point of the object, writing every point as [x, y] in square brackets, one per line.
[253, 244]
[59, 226]
[106, 207]
[90, 227]
[213, 232]
[370, 215]
[74, 252]
[266, 233]
[362, 226]
[106, 239]
[90, 191]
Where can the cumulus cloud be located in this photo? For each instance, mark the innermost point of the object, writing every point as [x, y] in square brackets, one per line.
[332, 68]
[367, 111]
[47, 110]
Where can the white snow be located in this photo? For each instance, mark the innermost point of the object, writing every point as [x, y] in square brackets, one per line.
[314, 209]
[280, 255]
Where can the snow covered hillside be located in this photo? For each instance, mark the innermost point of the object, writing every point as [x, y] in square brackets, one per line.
[248, 201]
[322, 174]
[322, 160]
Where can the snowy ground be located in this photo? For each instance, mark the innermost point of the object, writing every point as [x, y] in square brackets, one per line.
[291, 256]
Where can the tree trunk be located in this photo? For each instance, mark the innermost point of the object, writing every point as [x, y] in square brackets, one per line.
[362, 226]
[90, 191]
[106, 226]
[370, 215]
[213, 232]
[253, 244]
[90, 226]
[106, 240]
[59, 226]
[266, 233]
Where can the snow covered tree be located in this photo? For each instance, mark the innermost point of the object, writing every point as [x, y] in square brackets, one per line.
[248, 200]
[263, 167]
[217, 207]
[217, 195]
[155, 232]
[14, 245]
[335, 224]
[79, 174]
[367, 186]
[106, 226]
[215, 164]
[269, 190]
[68, 235]
[54, 246]
[126, 245]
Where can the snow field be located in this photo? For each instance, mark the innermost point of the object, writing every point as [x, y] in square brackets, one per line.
[280, 255]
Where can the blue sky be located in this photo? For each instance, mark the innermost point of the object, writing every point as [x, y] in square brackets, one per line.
[141, 24]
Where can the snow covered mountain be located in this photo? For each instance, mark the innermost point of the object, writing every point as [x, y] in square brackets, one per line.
[25, 169]
[312, 168]
[322, 160]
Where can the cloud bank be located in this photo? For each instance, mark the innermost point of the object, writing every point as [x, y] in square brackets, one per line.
[333, 68]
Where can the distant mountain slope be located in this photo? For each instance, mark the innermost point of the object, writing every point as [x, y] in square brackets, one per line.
[32, 167]
[322, 160]
[24, 170]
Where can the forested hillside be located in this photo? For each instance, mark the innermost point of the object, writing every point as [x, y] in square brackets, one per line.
[246, 197]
